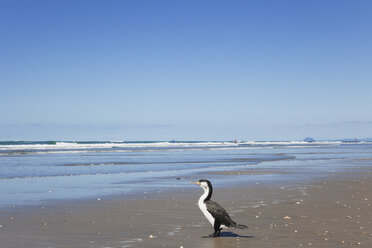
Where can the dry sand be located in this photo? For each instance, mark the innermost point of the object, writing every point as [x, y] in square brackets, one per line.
[331, 212]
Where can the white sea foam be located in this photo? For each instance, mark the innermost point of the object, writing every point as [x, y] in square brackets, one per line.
[60, 146]
[290, 143]
[76, 145]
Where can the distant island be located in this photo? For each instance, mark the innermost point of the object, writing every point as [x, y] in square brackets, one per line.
[309, 139]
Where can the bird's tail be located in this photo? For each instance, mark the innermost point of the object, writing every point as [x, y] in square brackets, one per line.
[240, 226]
[236, 225]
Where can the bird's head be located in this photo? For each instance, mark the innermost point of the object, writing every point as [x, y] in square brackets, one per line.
[205, 184]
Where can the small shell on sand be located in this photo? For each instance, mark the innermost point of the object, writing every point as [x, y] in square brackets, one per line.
[287, 217]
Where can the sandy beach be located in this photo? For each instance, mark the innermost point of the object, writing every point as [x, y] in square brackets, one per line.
[109, 109]
[334, 211]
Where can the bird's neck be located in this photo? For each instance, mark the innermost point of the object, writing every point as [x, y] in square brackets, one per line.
[207, 195]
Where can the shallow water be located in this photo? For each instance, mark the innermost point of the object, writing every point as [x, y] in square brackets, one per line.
[36, 172]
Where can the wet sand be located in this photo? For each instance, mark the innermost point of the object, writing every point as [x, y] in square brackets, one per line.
[334, 211]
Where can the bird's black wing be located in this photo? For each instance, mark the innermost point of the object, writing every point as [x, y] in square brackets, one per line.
[219, 213]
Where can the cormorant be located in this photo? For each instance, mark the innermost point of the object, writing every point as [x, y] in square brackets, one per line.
[214, 213]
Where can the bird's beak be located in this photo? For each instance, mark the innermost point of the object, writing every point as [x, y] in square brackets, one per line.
[197, 183]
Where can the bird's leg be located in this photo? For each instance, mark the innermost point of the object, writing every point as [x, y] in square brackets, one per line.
[217, 229]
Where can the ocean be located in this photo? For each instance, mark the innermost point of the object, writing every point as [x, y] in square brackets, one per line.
[42, 172]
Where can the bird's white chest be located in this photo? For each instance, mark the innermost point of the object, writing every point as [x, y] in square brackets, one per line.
[204, 210]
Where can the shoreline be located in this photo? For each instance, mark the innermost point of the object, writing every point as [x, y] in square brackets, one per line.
[331, 211]
[39, 179]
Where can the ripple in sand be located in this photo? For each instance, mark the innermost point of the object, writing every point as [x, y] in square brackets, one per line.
[130, 242]
[175, 230]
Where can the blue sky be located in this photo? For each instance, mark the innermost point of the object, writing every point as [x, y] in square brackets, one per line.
[185, 70]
